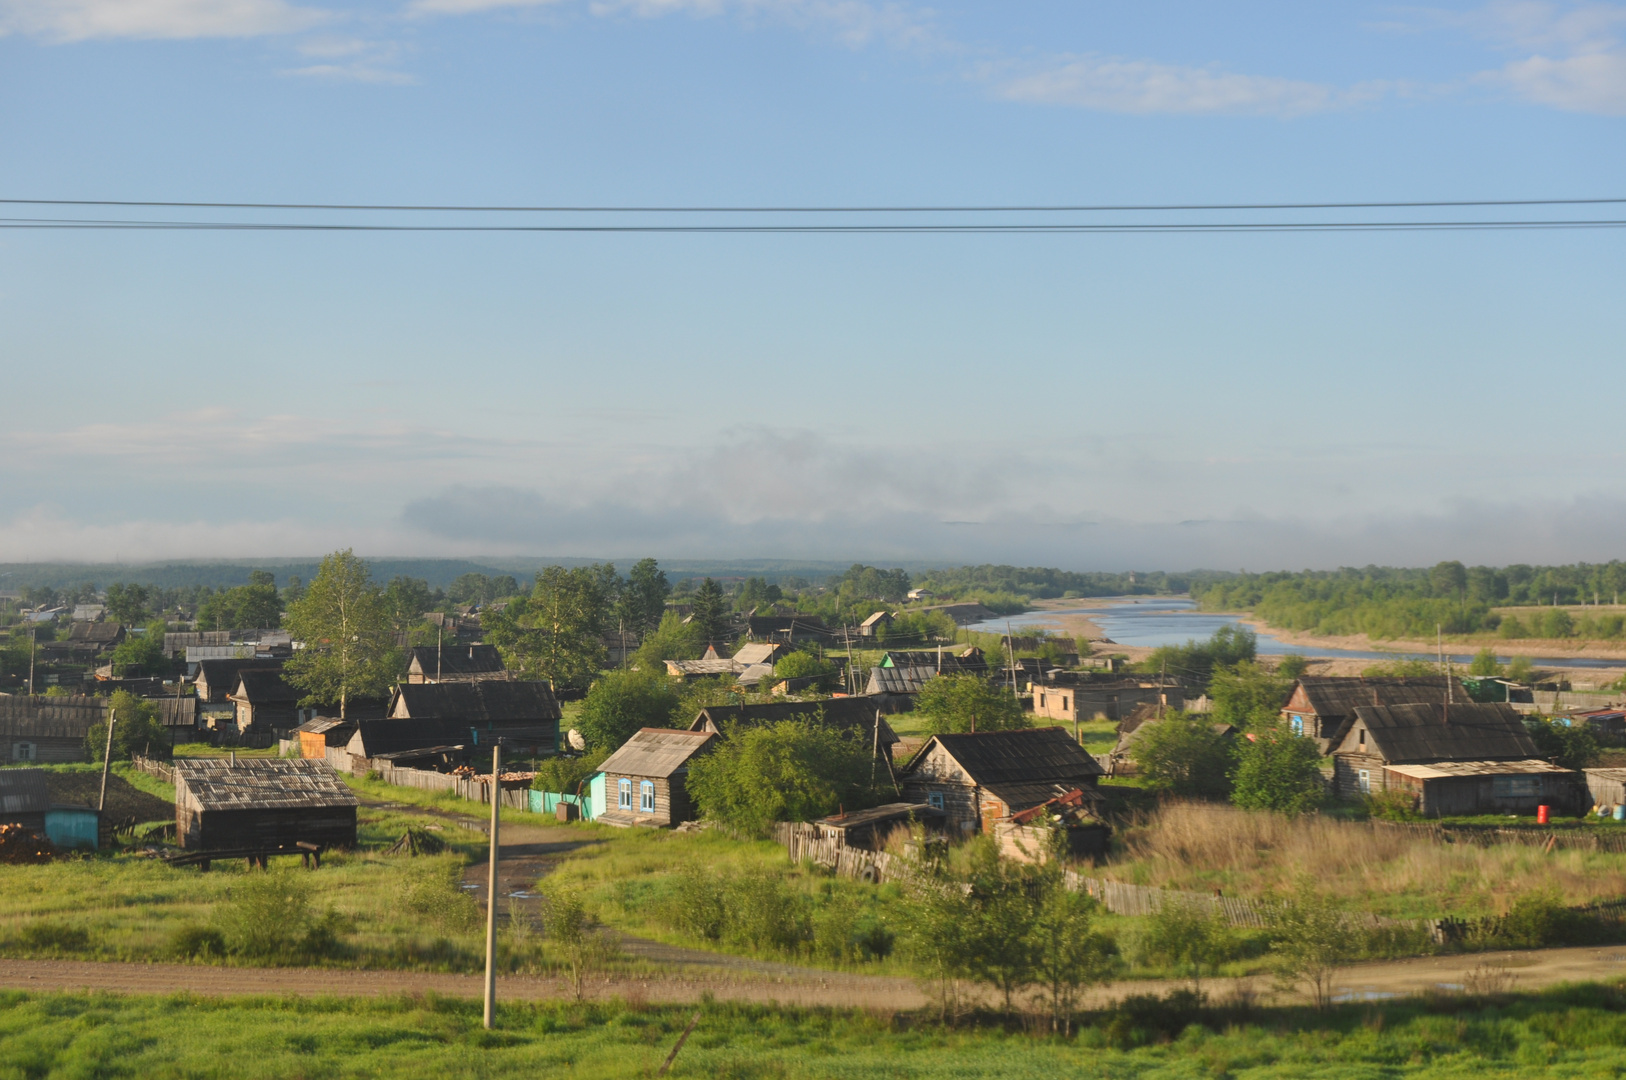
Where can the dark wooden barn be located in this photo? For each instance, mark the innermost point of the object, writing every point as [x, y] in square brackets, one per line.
[1322, 707]
[525, 715]
[646, 781]
[261, 804]
[979, 779]
[265, 702]
[454, 663]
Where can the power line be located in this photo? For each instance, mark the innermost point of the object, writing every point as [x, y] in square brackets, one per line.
[1033, 228]
[908, 209]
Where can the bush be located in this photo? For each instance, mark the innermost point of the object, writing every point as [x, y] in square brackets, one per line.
[197, 942]
[695, 904]
[764, 913]
[792, 770]
[1184, 935]
[135, 729]
[1572, 746]
[48, 935]
[1539, 919]
[1182, 754]
[1392, 804]
[961, 703]
[564, 774]
[798, 665]
[1485, 663]
[437, 894]
[621, 702]
[1244, 692]
[1278, 770]
[265, 915]
[1194, 662]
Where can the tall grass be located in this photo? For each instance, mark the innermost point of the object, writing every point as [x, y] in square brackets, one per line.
[1388, 871]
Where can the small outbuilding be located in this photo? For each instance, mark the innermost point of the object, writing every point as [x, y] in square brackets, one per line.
[265, 702]
[981, 778]
[261, 804]
[454, 663]
[869, 829]
[646, 780]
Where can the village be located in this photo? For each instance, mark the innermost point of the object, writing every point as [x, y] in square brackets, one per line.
[711, 776]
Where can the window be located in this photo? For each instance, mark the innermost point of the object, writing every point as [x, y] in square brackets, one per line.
[1064, 701]
[646, 796]
[624, 794]
[1516, 787]
[23, 751]
[1041, 700]
[1363, 780]
[1360, 735]
[1296, 722]
[935, 800]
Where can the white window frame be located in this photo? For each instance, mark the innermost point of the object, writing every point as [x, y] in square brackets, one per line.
[22, 751]
[623, 790]
[1296, 722]
[646, 796]
[1363, 780]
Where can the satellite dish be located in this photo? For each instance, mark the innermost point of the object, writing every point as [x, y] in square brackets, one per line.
[574, 738]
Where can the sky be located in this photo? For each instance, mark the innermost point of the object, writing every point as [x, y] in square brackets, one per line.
[1089, 401]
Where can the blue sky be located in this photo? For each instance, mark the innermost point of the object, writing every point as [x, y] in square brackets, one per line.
[1085, 401]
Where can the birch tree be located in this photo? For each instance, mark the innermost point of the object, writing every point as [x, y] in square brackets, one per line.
[349, 650]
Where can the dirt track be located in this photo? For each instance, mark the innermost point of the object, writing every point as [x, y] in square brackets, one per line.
[782, 983]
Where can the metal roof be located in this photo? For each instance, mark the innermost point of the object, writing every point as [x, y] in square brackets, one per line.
[1465, 731]
[23, 791]
[259, 784]
[656, 752]
[1011, 759]
[1443, 769]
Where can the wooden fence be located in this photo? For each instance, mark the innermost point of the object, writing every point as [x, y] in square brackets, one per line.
[474, 788]
[159, 769]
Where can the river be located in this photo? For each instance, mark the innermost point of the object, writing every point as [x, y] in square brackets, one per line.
[1151, 621]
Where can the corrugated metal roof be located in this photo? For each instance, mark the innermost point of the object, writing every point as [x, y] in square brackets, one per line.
[1442, 769]
[1423, 733]
[23, 791]
[656, 752]
[259, 784]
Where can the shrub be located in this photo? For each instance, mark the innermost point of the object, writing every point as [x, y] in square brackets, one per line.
[1185, 935]
[1572, 746]
[564, 774]
[1182, 754]
[764, 913]
[1278, 770]
[695, 903]
[792, 770]
[1539, 919]
[1392, 804]
[802, 664]
[621, 702]
[960, 703]
[1247, 691]
[437, 894]
[266, 914]
[197, 942]
[48, 935]
[1485, 663]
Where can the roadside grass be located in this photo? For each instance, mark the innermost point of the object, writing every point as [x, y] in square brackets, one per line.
[209, 750]
[444, 802]
[1369, 866]
[1573, 1031]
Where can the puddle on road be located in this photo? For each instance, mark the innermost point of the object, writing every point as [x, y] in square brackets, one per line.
[1345, 997]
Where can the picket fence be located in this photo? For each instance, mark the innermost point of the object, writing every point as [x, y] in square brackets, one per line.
[474, 788]
[152, 767]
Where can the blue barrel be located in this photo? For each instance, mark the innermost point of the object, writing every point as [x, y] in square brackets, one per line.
[1620, 813]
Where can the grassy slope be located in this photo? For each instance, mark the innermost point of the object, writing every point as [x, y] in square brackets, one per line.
[1577, 1031]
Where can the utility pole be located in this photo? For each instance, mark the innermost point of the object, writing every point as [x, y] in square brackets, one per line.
[33, 634]
[852, 664]
[1010, 649]
[107, 758]
[491, 887]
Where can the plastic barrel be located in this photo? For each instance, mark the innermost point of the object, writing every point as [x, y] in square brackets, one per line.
[1541, 814]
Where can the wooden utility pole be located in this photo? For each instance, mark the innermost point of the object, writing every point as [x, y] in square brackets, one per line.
[491, 887]
[1010, 649]
[440, 649]
[107, 759]
[852, 665]
[33, 635]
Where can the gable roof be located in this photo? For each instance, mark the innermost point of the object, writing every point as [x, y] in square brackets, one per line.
[262, 687]
[485, 701]
[374, 738]
[41, 716]
[848, 712]
[898, 680]
[454, 659]
[1027, 755]
[99, 633]
[877, 618]
[177, 711]
[1421, 733]
[761, 652]
[223, 671]
[259, 784]
[1330, 695]
[657, 752]
[23, 791]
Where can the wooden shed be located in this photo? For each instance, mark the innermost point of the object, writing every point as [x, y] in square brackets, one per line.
[24, 798]
[1606, 787]
[1447, 788]
[319, 733]
[980, 778]
[646, 780]
[454, 663]
[869, 829]
[265, 702]
[262, 804]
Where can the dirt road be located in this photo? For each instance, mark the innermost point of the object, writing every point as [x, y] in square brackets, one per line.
[785, 984]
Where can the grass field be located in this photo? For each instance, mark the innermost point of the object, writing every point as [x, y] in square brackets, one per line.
[1575, 1031]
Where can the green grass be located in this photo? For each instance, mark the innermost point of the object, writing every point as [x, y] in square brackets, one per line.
[208, 750]
[443, 801]
[1573, 1031]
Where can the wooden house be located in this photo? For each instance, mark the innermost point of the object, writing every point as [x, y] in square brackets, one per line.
[646, 780]
[37, 728]
[525, 715]
[872, 626]
[88, 639]
[787, 628]
[318, 734]
[454, 663]
[979, 779]
[1462, 758]
[858, 715]
[1106, 700]
[264, 701]
[261, 804]
[216, 680]
[761, 652]
[1322, 707]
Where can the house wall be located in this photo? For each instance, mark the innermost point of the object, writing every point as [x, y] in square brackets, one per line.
[940, 775]
[672, 802]
[200, 830]
[1346, 771]
[1465, 795]
[47, 748]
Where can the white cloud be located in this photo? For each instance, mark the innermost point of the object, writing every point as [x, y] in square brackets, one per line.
[1111, 84]
[1590, 83]
[79, 20]
[351, 60]
[470, 7]
[1579, 60]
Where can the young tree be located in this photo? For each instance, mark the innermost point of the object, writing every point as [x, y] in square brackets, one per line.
[1278, 770]
[1246, 691]
[710, 611]
[792, 770]
[1292, 666]
[1070, 955]
[136, 729]
[643, 598]
[126, 604]
[1571, 746]
[673, 639]
[406, 599]
[555, 633]
[570, 927]
[349, 649]
[1186, 936]
[141, 654]
[1182, 754]
[1310, 939]
[621, 702]
[961, 703]
[803, 664]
